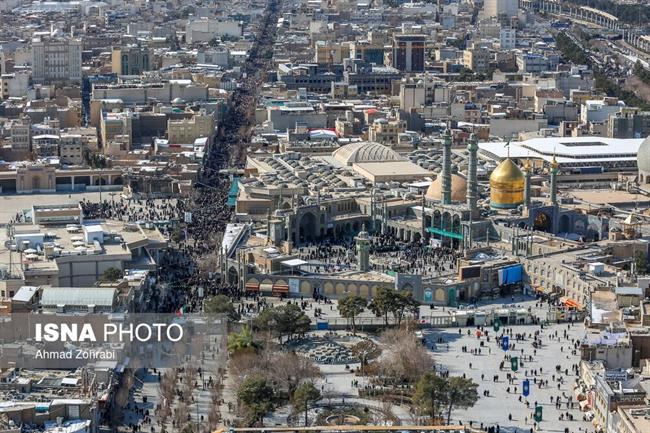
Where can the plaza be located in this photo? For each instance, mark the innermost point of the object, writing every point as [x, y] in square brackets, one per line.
[495, 409]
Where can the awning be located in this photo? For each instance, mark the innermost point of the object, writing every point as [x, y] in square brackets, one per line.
[570, 303]
[294, 262]
[280, 288]
[252, 287]
[266, 287]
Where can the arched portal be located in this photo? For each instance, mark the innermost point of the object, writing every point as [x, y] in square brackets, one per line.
[565, 224]
[233, 276]
[542, 222]
[307, 227]
[592, 233]
[446, 221]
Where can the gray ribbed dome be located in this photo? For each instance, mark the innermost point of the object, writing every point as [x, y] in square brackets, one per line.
[643, 156]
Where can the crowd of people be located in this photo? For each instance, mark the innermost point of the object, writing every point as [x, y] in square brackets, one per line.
[412, 258]
[523, 351]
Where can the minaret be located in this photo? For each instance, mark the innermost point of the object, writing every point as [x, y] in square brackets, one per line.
[424, 218]
[289, 240]
[363, 250]
[373, 223]
[527, 174]
[268, 225]
[554, 169]
[446, 168]
[472, 182]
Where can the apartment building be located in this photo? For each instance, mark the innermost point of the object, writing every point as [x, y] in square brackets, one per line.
[56, 60]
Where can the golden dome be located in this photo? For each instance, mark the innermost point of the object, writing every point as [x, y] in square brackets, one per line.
[506, 185]
[458, 188]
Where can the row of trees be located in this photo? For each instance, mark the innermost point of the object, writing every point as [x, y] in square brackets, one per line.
[260, 398]
[612, 88]
[265, 377]
[641, 72]
[570, 50]
[385, 303]
[573, 52]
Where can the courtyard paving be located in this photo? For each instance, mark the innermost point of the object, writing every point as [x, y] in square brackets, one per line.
[496, 408]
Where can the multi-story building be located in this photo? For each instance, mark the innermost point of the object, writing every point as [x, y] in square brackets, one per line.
[421, 91]
[628, 123]
[71, 149]
[204, 29]
[507, 38]
[599, 110]
[367, 52]
[46, 145]
[632, 419]
[131, 60]
[20, 134]
[386, 131]
[313, 77]
[368, 78]
[56, 60]
[495, 8]
[408, 52]
[326, 52]
[531, 62]
[219, 56]
[117, 127]
[477, 59]
[286, 116]
[185, 131]
[142, 93]
[14, 85]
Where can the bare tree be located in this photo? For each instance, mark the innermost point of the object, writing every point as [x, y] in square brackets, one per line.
[404, 357]
[289, 370]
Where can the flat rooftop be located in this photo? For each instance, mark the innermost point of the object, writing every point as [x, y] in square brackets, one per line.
[567, 150]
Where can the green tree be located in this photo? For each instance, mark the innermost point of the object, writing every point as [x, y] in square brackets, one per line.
[242, 342]
[304, 395]
[640, 263]
[177, 234]
[403, 302]
[111, 274]
[350, 307]
[430, 394]
[285, 320]
[570, 50]
[220, 304]
[382, 303]
[292, 321]
[266, 321]
[461, 393]
[258, 397]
